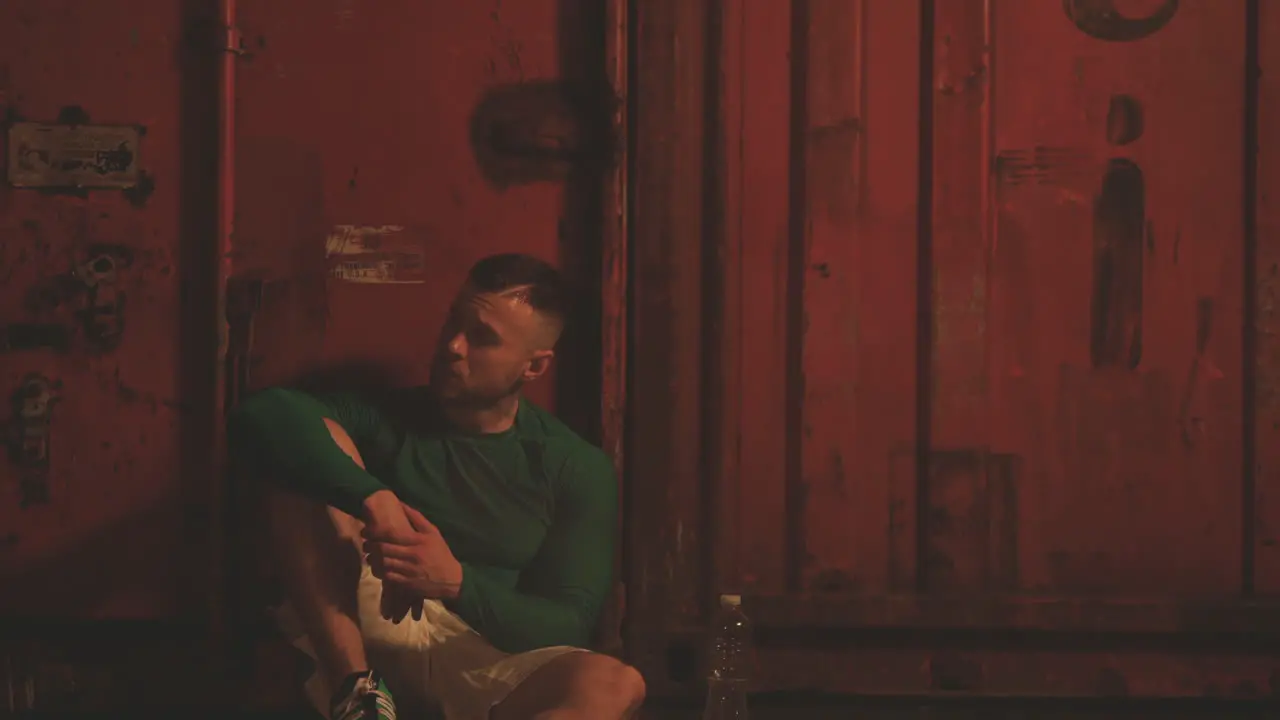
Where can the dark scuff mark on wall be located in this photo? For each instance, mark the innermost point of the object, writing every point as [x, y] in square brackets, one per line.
[1118, 234]
[506, 47]
[1099, 19]
[1124, 120]
[29, 431]
[72, 115]
[138, 194]
[966, 527]
[543, 131]
[91, 287]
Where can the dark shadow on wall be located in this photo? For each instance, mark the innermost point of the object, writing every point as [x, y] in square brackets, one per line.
[198, 257]
[581, 34]
[360, 376]
[559, 131]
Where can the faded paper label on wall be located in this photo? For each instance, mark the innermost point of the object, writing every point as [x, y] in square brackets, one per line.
[375, 254]
[82, 156]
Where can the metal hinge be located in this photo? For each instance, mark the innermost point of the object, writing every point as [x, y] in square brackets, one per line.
[232, 40]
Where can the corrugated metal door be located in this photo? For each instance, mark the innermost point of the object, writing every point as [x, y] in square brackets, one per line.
[978, 356]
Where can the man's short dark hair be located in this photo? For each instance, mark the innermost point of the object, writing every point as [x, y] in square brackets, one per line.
[545, 288]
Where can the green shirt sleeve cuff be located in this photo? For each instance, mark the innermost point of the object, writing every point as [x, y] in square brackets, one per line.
[357, 486]
[465, 603]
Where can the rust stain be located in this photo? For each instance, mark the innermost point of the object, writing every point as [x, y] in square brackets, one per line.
[1124, 120]
[970, 539]
[1118, 235]
[1102, 20]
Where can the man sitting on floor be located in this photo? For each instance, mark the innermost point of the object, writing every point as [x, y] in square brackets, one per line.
[455, 537]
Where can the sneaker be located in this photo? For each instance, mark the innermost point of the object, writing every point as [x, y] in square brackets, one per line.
[363, 696]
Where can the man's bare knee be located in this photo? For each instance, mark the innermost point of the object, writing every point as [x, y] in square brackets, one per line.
[615, 685]
[604, 687]
[577, 685]
[307, 536]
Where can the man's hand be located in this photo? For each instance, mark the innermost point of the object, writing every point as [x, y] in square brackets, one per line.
[384, 517]
[419, 562]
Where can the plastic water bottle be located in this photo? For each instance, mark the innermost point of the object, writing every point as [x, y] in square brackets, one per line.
[731, 659]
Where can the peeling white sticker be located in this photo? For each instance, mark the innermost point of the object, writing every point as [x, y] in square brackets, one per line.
[375, 254]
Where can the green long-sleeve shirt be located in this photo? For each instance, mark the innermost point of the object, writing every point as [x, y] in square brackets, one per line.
[530, 513]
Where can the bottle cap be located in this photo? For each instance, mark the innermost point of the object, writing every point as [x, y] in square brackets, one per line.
[732, 601]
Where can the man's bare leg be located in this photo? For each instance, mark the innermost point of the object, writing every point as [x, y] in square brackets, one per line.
[319, 563]
[316, 550]
[578, 686]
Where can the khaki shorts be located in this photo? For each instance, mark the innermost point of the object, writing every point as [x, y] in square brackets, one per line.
[435, 661]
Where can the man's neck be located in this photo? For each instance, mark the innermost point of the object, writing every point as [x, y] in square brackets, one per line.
[489, 419]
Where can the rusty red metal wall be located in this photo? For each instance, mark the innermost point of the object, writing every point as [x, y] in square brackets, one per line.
[967, 338]
[953, 319]
[124, 460]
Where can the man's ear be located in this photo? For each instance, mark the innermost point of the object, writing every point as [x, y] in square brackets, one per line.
[538, 364]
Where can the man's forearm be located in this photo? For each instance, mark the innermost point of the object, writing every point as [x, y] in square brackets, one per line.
[407, 551]
[517, 622]
[383, 507]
